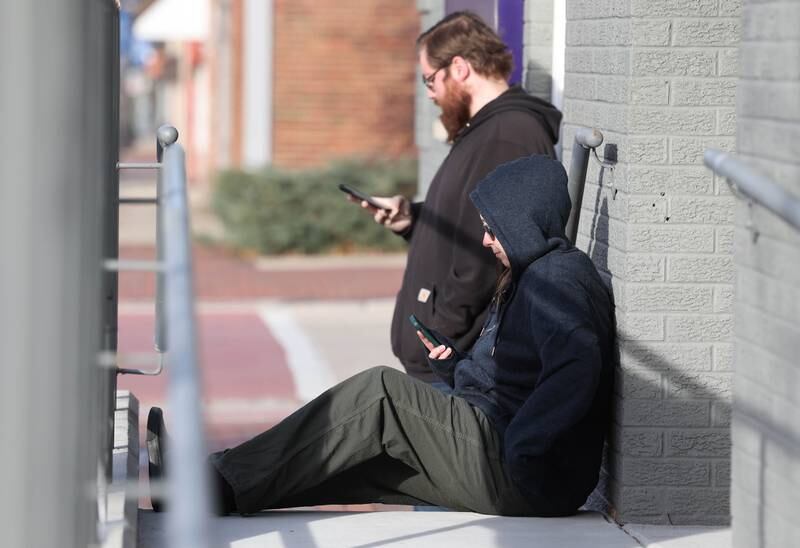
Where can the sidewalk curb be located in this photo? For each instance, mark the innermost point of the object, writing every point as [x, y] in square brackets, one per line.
[265, 263]
[677, 536]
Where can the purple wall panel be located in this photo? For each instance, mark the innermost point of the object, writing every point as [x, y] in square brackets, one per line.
[510, 19]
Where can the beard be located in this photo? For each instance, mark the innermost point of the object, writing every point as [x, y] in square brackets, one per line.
[455, 109]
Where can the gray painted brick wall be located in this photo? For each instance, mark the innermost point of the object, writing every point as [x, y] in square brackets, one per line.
[658, 77]
[538, 48]
[765, 491]
[432, 149]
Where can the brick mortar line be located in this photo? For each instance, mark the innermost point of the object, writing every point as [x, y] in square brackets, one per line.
[769, 120]
[670, 459]
[756, 41]
[688, 428]
[786, 286]
[764, 156]
[756, 379]
[781, 360]
[766, 82]
[787, 246]
[636, 48]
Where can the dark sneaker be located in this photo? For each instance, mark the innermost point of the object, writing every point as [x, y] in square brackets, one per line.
[156, 454]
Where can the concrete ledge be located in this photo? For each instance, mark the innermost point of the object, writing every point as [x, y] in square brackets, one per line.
[666, 536]
[288, 263]
[302, 529]
[122, 514]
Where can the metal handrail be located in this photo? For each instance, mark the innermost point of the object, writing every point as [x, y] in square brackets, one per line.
[166, 135]
[586, 141]
[187, 489]
[189, 507]
[754, 186]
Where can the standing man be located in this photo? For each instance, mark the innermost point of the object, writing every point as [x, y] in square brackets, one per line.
[449, 278]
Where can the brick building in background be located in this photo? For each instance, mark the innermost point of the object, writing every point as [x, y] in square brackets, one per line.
[344, 79]
[297, 83]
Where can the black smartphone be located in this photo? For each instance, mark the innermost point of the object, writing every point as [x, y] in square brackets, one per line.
[355, 193]
[419, 326]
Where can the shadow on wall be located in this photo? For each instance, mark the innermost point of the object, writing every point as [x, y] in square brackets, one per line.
[538, 81]
[687, 391]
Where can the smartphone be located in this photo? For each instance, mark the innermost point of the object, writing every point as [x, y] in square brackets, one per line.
[355, 193]
[418, 325]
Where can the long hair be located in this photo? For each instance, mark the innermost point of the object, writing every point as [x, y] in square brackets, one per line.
[503, 283]
[464, 34]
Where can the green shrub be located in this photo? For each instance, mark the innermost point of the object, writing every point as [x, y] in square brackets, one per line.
[282, 211]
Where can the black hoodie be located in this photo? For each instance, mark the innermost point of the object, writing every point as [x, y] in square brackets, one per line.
[449, 277]
[542, 367]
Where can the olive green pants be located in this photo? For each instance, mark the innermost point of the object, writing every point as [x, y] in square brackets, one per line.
[380, 436]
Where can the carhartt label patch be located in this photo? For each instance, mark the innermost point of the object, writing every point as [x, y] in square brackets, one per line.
[423, 295]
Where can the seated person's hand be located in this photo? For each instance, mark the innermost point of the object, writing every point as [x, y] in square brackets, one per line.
[397, 219]
[440, 352]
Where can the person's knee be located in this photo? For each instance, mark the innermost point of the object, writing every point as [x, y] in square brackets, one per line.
[380, 372]
[386, 381]
[390, 376]
[375, 378]
[397, 385]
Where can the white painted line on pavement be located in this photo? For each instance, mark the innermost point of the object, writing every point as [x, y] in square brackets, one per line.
[241, 411]
[311, 372]
[249, 410]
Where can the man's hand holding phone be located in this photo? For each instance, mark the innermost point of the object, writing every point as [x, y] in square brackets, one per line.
[392, 212]
[398, 217]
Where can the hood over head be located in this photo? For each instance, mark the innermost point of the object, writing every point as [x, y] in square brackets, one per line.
[526, 204]
[516, 98]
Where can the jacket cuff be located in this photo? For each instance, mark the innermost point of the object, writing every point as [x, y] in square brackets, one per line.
[446, 368]
[406, 234]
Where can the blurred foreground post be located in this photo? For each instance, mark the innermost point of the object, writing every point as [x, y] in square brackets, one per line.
[58, 221]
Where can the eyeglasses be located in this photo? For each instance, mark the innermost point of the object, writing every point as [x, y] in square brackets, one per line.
[487, 230]
[427, 81]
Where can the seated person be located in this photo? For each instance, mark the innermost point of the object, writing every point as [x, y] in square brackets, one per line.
[522, 433]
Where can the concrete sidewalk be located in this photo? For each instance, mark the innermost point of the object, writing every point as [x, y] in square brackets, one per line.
[289, 529]
[302, 529]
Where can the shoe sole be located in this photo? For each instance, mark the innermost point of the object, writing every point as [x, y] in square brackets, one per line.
[155, 453]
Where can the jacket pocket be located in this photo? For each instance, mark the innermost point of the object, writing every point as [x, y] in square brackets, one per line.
[426, 302]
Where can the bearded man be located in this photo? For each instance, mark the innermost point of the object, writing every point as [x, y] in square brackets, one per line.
[449, 278]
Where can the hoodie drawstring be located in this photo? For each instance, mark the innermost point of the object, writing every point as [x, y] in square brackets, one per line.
[501, 312]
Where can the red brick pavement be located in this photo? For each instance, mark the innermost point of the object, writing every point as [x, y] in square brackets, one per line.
[243, 369]
[222, 275]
